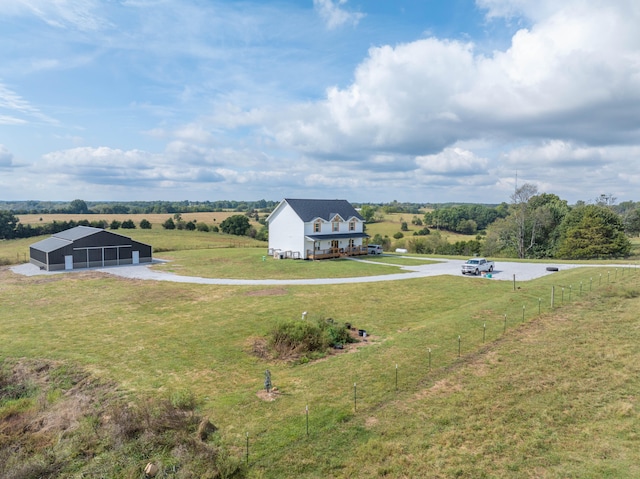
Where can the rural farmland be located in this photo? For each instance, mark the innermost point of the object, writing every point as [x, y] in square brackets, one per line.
[457, 376]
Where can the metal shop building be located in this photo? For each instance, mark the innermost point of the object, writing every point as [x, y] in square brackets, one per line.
[87, 247]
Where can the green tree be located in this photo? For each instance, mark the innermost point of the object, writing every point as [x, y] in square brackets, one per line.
[8, 223]
[202, 227]
[145, 224]
[591, 232]
[263, 234]
[78, 206]
[368, 212]
[236, 225]
[169, 224]
[115, 224]
[467, 227]
[631, 222]
[128, 225]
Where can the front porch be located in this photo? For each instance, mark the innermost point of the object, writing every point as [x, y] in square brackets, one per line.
[337, 252]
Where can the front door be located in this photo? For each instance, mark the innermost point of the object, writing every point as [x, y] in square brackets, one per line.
[136, 257]
[68, 262]
[334, 244]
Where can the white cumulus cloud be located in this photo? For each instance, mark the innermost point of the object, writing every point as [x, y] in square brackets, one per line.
[335, 15]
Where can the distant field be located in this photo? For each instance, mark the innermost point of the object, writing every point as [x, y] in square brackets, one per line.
[155, 219]
[392, 224]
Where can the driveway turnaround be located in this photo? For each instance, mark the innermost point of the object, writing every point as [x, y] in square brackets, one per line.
[504, 271]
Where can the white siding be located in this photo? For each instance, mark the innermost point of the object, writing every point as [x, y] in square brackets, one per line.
[286, 230]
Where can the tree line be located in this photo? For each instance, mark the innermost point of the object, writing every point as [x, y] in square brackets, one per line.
[79, 206]
[239, 225]
[540, 225]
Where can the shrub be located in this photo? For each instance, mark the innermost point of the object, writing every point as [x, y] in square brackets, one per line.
[398, 235]
[202, 227]
[169, 224]
[307, 337]
[236, 225]
[145, 224]
[128, 224]
[115, 224]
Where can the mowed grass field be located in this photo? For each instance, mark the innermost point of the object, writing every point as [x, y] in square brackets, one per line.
[491, 382]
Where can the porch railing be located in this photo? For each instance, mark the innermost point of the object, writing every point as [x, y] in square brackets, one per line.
[337, 252]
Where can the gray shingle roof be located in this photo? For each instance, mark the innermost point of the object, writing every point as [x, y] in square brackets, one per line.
[308, 210]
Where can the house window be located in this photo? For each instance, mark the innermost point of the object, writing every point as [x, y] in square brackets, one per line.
[335, 226]
[317, 226]
[352, 225]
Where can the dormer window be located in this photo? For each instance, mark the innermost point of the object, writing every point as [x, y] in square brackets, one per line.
[335, 224]
[352, 225]
[317, 226]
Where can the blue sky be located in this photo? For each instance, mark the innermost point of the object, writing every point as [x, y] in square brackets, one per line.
[370, 100]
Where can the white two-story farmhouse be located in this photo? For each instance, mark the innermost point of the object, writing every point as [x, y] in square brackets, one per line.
[316, 229]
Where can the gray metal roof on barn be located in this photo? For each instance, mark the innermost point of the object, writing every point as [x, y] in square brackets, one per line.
[63, 238]
[77, 233]
[50, 244]
[308, 210]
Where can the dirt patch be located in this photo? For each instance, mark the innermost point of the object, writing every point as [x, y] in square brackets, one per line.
[268, 292]
[480, 366]
[268, 396]
[371, 422]
[441, 388]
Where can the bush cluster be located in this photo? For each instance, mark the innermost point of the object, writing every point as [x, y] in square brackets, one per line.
[304, 336]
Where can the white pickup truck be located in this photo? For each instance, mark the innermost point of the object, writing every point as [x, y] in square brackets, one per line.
[477, 266]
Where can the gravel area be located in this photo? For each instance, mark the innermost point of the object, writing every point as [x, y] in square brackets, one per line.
[504, 271]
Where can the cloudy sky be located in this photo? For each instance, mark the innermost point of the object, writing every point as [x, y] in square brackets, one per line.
[367, 100]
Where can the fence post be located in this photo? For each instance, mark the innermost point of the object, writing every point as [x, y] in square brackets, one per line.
[539, 305]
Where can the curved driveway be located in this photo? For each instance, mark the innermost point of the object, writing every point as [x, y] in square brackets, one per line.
[504, 271]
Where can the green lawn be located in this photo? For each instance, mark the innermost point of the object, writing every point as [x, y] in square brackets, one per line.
[254, 263]
[399, 260]
[552, 396]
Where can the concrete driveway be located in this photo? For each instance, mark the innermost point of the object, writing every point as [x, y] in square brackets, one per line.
[504, 271]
